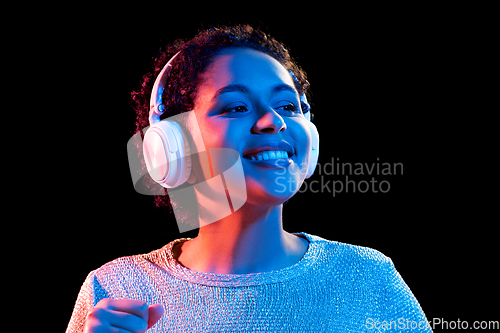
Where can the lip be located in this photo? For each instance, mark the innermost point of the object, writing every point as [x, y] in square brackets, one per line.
[269, 146]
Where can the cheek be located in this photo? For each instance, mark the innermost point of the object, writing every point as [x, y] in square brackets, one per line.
[222, 133]
[215, 133]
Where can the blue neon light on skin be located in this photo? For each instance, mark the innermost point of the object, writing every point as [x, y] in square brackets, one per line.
[247, 101]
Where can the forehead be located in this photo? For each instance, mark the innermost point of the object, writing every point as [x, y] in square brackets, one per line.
[245, 66]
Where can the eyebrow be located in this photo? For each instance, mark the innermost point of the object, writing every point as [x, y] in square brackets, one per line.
[231, 88]
[244, 89]
[284, 87]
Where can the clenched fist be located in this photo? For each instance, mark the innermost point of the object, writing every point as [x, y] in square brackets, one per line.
[122, 315]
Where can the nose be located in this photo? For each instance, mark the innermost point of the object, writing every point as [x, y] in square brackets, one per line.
[269, 122]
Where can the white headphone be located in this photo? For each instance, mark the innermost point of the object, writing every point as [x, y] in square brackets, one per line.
[314, 152]
[166, 149]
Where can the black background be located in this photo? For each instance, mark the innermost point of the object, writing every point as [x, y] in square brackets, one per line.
[377, 78]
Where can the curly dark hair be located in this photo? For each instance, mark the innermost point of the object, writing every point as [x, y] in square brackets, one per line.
[194, 57]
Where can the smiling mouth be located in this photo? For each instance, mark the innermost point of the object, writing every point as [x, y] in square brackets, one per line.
[267, 155]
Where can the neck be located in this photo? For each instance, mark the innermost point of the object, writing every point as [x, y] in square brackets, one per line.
[250, 240]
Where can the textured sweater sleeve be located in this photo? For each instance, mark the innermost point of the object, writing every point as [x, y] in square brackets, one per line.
[90, 294]
[400, 310]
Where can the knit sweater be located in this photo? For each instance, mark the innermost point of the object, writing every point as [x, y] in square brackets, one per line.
[335, 287]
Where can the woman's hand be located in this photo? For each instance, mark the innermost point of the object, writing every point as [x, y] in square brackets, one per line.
[122, 315]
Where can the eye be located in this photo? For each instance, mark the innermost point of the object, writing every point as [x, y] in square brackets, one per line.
[290, 107]
[235, 109]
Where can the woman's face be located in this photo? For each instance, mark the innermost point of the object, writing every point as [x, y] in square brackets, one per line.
[247, 101]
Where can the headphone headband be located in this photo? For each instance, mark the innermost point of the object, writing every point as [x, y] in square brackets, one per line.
[156, 107]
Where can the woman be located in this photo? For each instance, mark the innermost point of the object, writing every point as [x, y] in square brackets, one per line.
[244, 273]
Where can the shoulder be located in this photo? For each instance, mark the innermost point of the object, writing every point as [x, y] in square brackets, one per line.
[348, 251]
[118, 266]
[101, 279]
[353, 260]
[128, 264]
[125, 275]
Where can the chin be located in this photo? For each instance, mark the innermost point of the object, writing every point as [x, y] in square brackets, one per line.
[272, 192]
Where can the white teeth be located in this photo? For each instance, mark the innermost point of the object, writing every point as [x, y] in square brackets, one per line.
[269, 155]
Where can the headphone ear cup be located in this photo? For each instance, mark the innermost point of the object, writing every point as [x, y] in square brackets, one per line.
[314, 153]
[167, 154]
